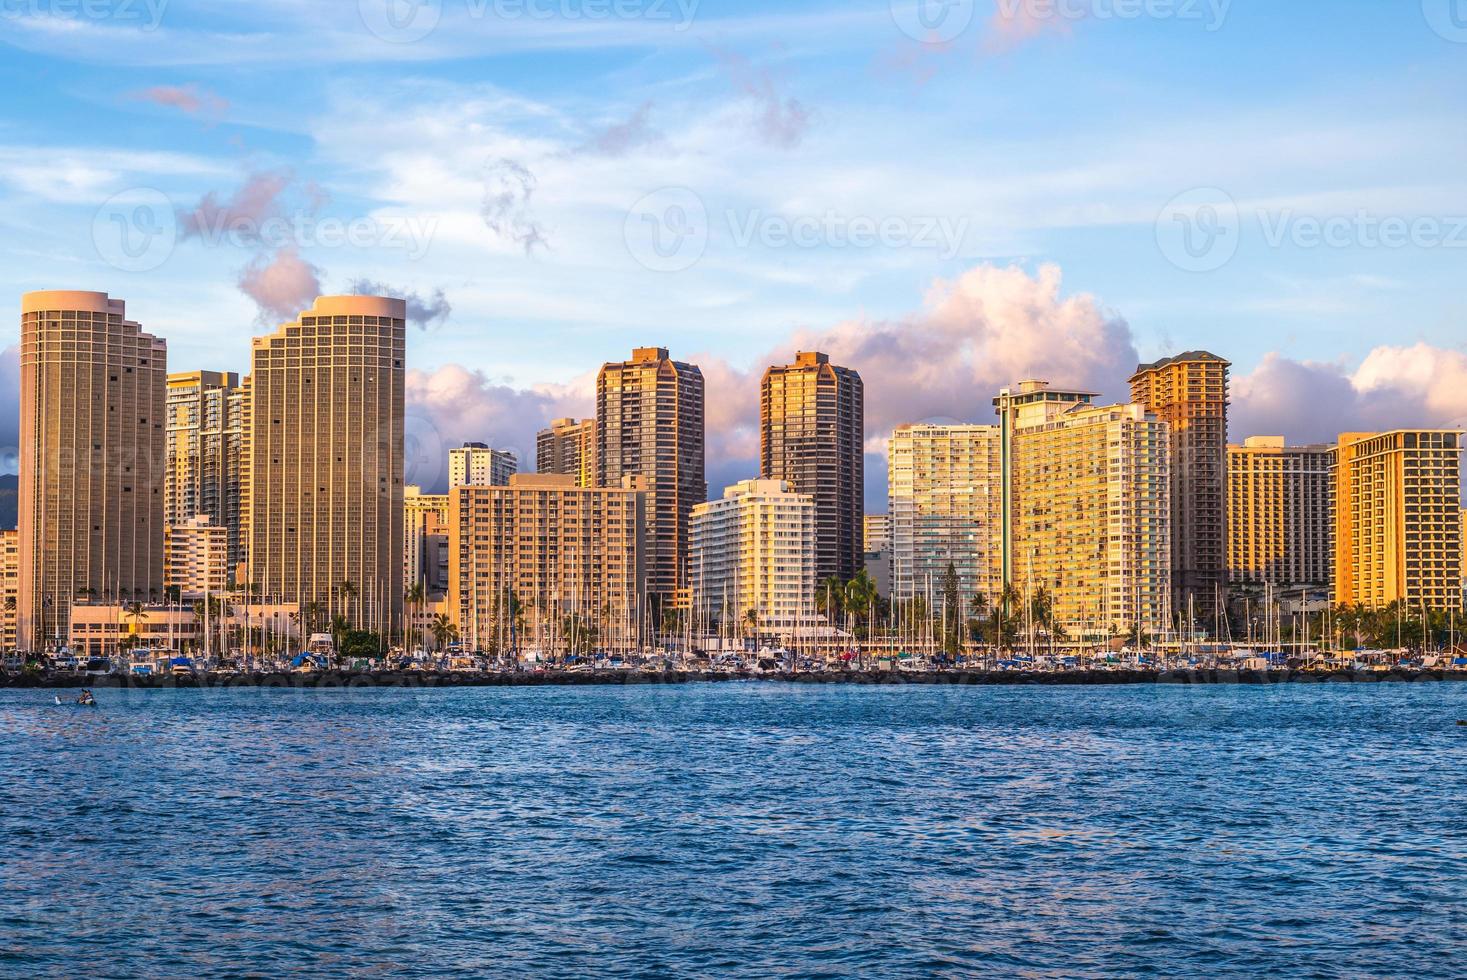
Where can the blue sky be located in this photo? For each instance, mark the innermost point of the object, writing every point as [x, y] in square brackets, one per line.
[561, 185]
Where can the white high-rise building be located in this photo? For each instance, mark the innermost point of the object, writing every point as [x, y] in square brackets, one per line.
[946, 504]
[751, 557]
[476, 465]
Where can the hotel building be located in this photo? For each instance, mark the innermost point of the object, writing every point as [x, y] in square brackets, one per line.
[876, 532]
[476, 465]
[1398, 520]
[945, 487]
[196, 557]
[1189, 392]
[9, 587]
[92, 410]
[752, 557]
[568, 447]
[325, 465]
[1280, 516]
[811, 433]
[425, 540]
[649, 424]
[551, 547]
[205, 440]
[1092, 518]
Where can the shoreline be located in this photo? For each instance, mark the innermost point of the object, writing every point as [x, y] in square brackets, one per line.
[431, 679]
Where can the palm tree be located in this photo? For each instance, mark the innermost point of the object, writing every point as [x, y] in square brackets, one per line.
[414, 596]
[339, 627]
[860, 597]
[829, 597]
[443, 630]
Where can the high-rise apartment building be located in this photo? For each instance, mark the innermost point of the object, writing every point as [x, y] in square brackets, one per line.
[876, 532]
[1027, 404]
[9, 588]
[649, 424]
[1189, 392]
[811, 434]
[1280, 517]
[752, 557]
[92, 407]
[205, 428]
[474, 464]
[568, 448]
[550, 549]
[945, 496]
[1092, 516]
[325, 443]
[1398, 530]
[425, 540]
[196, 557]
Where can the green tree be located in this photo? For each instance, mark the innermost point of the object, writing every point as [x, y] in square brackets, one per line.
[443, 630]
[952, 613]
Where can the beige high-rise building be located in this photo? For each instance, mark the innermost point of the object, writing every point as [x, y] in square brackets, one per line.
[811, 435]
[1092, 517]
[752, 558]
[92, 412]
[1398, 518]
[325, 443]
[9, 588]
[425, 540]
[1026, 404]
[649, 424]
[205, 471]
[876, 532]
[196, 558]
[474, 464]
[1189, 392]
[1280, 517]
[568, 447]
[552, 548]
[945, 496]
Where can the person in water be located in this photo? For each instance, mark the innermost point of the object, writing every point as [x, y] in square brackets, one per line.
[86, 698]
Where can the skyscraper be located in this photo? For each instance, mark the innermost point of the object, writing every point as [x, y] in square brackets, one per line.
[425, 540]
[649, 423]
[568, 448]
[945, 496]
[326, 460]
[205, 452]
[1189, 392]
[1092, 517]
[474, 464]
[1398, 532]
[92, 397]
[1280, 513]
[812, 425]
[1026, 404]
[752, 560]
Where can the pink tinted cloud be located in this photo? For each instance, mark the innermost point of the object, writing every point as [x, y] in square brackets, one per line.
[190, 99]
[281, 285]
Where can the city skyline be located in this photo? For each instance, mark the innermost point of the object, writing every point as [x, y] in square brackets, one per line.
[523, 213]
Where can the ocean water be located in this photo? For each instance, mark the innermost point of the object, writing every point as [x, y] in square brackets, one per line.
[738, 829]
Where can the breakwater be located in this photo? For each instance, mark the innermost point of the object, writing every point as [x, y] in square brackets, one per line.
[447, 679]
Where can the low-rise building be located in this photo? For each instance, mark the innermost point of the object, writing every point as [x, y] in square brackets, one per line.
[196, 557]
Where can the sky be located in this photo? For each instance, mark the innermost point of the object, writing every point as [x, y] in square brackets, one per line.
[947, 195]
